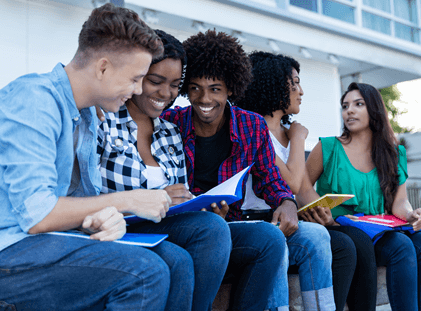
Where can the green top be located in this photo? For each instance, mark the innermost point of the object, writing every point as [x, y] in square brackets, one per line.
[340, 177]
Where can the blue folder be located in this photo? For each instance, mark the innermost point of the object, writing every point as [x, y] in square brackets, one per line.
[374, 231]
[139, 239]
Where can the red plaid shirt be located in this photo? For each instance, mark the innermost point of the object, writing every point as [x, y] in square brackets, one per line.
[250, 143]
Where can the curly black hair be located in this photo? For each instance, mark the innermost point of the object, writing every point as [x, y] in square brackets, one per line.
[220, 56]
[270, 88]
[173, 48]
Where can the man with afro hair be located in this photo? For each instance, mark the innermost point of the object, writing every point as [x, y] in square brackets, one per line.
[220, 140]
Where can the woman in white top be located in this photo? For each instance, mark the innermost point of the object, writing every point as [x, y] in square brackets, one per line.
[275, 93]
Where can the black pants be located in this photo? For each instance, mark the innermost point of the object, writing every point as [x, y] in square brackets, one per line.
[354, 269]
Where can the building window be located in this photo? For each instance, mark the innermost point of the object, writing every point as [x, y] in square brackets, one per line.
[310, 5]
[397, 18]
[338, 10]
[378, 4]
[406, 9]
[376, 23]
[407, 33]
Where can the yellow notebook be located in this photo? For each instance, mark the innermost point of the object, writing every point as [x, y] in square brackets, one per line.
[328, 200]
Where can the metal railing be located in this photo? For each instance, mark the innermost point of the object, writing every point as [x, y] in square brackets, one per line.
[414, 196]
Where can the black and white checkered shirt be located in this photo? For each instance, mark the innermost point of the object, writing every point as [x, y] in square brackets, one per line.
[120, 163]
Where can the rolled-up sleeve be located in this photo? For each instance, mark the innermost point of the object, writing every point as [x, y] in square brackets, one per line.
[31, 125]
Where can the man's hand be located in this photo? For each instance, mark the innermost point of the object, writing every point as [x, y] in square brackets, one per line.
[178, 193]
[219, 211]
[286, 214]
[106, 225]
[318, 214]
[147, 204]
[414, 218]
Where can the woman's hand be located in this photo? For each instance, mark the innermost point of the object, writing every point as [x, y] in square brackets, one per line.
[219, 211]
[414, 218]
[352, 217]
[297, 131]
[318, 214]
[106, 225]
[178, 194]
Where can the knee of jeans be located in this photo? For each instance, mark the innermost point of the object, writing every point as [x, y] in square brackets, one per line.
[402, 248]
[343, 248]
[216, 228]
[6, 307]
[320, 246]
[275, 242]
[161, 272]
[183, 263]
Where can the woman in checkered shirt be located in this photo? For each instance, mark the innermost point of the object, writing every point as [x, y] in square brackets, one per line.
[139, 150]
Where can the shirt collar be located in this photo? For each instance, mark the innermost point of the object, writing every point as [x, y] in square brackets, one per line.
[123, 116]
[233, 123]
[63, 83]
[189, 126]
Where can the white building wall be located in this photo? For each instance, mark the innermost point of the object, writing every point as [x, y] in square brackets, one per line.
[36, 35]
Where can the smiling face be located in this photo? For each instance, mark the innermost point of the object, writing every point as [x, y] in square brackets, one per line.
[160, 87]
[295, 93]
[120, 77]
[208, 98]
[354, 112]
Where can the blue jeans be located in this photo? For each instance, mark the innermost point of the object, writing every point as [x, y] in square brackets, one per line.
[401, 254]
[309, 250]
[48, 272]
[205, 238]
[258, 252]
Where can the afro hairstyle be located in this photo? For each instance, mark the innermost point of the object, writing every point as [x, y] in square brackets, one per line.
[213, 55]
[270, 88]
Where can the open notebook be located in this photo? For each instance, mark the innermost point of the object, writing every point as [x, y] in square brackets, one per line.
[230, 191]
[328, 200]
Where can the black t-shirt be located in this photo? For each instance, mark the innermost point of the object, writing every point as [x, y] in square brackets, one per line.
[210, 152]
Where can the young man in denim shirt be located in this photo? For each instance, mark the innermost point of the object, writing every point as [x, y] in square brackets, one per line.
[49, 180]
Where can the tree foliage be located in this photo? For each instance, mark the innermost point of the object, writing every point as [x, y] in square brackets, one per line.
[391, 94]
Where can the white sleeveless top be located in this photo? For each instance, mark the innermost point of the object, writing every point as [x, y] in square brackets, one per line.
[251, 201]
[155, 176]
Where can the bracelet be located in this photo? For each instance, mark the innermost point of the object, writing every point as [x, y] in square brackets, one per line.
[289, 199]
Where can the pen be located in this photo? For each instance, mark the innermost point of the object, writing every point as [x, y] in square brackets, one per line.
[278, 223]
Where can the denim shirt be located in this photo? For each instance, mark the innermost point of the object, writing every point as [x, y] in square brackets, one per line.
[38, 116]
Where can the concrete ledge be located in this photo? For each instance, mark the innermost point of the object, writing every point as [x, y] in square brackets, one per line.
[221, 301]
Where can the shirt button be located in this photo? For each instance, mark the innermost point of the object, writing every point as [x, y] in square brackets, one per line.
[76, 119]
[118, 142]
[176, 161]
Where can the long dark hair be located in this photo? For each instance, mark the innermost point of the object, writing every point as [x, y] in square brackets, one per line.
[384, 152]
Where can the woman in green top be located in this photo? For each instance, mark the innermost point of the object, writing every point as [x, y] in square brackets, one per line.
[366, 161]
